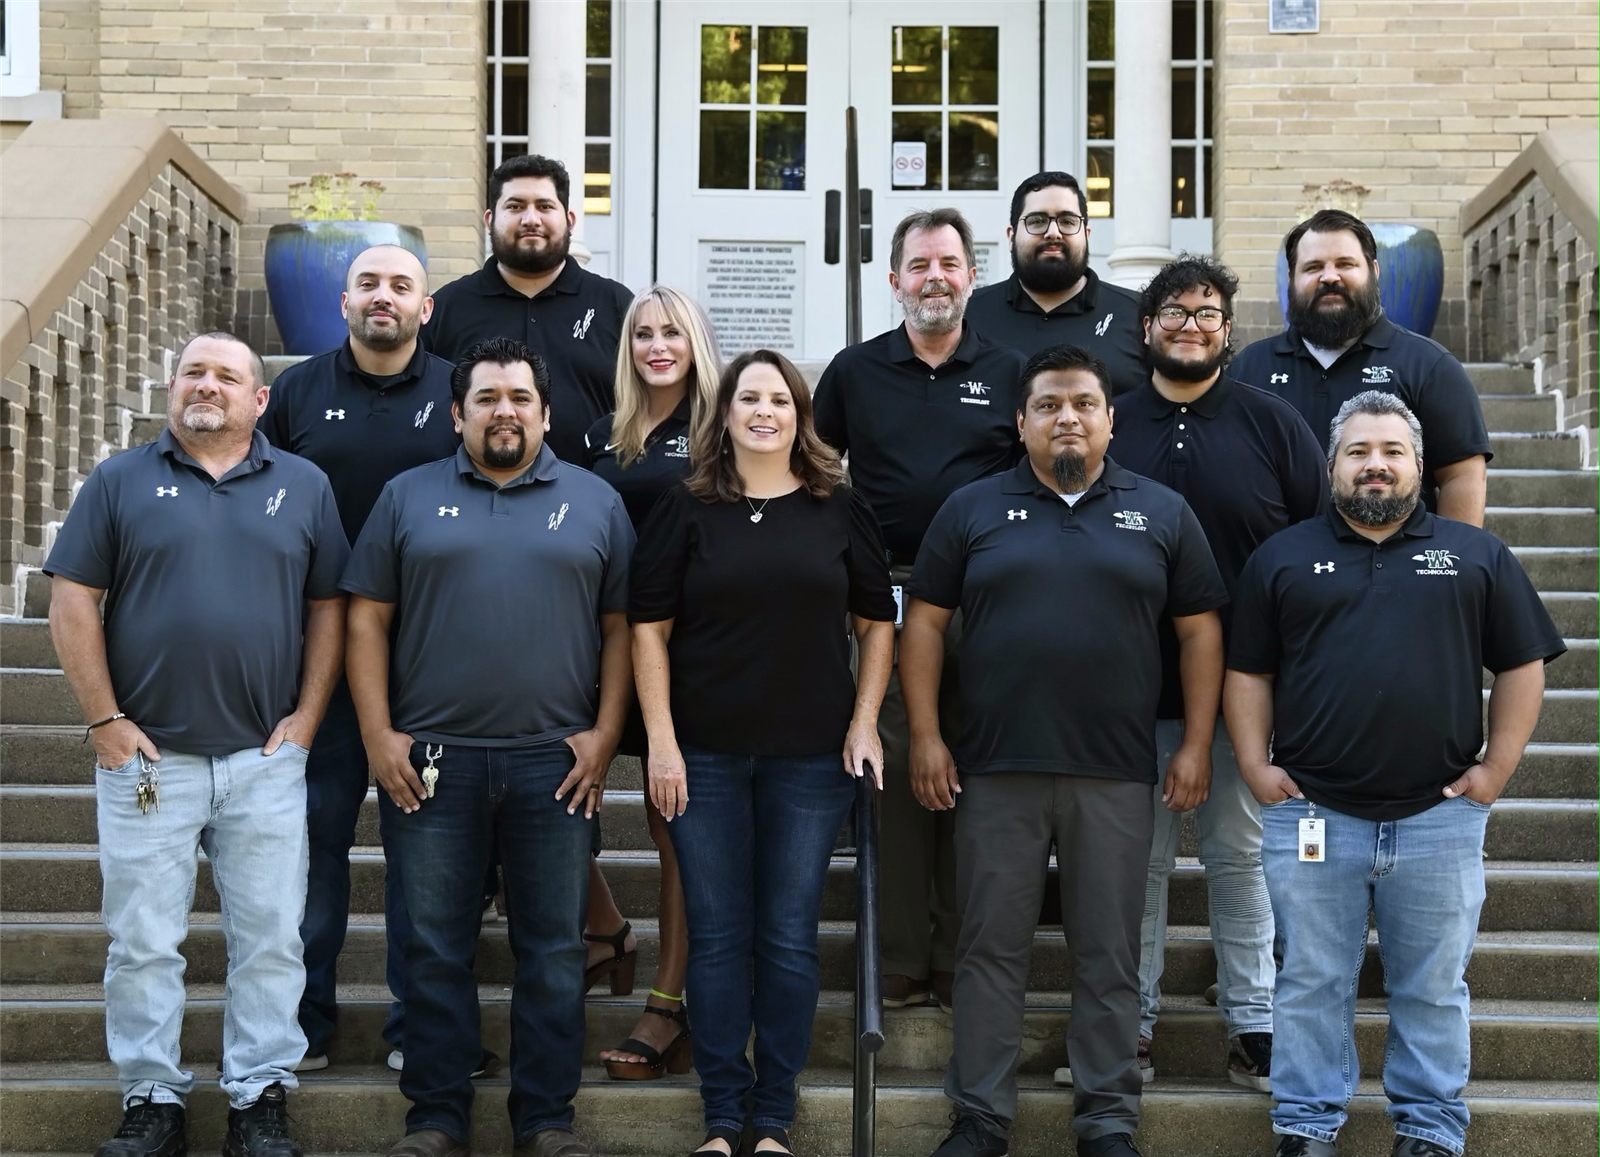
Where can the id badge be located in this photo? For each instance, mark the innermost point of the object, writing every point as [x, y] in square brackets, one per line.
[899, 606]
[1313, 841]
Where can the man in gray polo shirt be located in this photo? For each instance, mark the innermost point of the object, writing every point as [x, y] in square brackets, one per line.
[218, 558]
[491, 718]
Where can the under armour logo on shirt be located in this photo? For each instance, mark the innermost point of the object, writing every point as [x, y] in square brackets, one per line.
[166, 492]
[1105, 324]
[1322, 567]
[560, 515]
[275, 501]
[422, 416]
[330, 415]
[452, 511]
[1280, 379]
[580, 329]
[1011, 515]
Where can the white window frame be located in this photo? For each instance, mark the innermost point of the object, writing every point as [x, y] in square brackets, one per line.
[19, 67]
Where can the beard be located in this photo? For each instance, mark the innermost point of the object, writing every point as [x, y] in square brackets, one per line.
[207, 421]
[936, 313]
[1332, 328]
[1186, 371]
[1376, 509]
[374, 337]
[1050, 274]
[1071, 471]
[504, 457]
[531, 261]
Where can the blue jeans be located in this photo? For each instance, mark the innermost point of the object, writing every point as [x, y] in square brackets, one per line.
[1422, 878]
[1236, 890]
[487, 797]
[753, 847]
[247, 811]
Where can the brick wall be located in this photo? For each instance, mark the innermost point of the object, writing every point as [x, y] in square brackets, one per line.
[1421, 102]
[271, 91]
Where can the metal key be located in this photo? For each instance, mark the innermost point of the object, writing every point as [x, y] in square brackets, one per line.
[430, 774]
[148, 791]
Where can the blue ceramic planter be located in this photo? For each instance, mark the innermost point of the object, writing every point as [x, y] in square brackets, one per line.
[306, 263]
[1410, 275]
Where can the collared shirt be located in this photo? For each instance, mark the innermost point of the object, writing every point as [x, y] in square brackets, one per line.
[663, 463]
[360, 428]
[500, 590]
[1244, 461]
[1377, 652]
[1101, 317]
[1060, 659]
[1418, 370]
[574, 324]
[915, 433]
[206, 582]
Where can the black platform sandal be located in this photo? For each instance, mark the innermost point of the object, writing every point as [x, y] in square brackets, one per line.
[734, 1137]
[619, 967]
[771, 1133]
[675, 1058]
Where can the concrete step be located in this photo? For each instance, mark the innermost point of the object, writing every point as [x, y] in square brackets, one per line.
[71, 1108]
[36, 594]
[1560, 568]
[1575, 670]
[1541, 525]
[1518, 413]
[1523, 895]
[26, 643]
[1542, 487]
[146, 428]
[70, 949]
[1500, 378]
[1574, 612]
[1568, 716]
[1547, 450]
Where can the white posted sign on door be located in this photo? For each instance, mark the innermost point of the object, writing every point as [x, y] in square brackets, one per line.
[910, 164]
[754, 293]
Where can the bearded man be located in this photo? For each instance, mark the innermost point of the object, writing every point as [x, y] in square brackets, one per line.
[922, 410]
[1052, 296]
[531, 292]
[1339, 344]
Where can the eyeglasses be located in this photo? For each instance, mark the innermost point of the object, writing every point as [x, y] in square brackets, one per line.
[1207, 319]
[1039, 223]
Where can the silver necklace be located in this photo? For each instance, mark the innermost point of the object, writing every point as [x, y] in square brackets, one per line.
[755, 515]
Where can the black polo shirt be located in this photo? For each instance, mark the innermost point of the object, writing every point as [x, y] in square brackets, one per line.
[1243, 460]
[661, 466]
[1101, 318]
[1417, 369]
[1377, 652]
[206, 582]
[500, 590]
[1060, 663]
[575, 325]
[916, 433]
[361, 429]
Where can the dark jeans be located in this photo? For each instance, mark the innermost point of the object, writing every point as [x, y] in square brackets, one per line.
[336, 785]
[753, 847]
[487, 797]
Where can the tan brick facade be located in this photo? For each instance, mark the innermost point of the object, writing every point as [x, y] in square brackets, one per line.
[1421, 102]
[271, 91]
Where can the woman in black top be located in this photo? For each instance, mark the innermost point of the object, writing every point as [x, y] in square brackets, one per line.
[747, 582]
[667, 370]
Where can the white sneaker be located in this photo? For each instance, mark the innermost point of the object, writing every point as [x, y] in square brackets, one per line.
[310, 1064]
[397, 1060]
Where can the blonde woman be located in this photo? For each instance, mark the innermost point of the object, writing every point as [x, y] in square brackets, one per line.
[667, 373]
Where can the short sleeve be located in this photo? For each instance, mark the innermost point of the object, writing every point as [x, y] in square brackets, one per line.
[828, 410]
[940, 571]
[330, 552]
[870, 596]
[374, 568]
[660, 559]
[1194, 584]
[86, 545]
[1253, 640]
[1303, 471]
[620, 541]
[1452, 419]
[274, 420]
[1517, 629]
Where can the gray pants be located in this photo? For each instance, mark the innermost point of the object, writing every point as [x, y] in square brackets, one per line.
[1102, 829]
[916, 859]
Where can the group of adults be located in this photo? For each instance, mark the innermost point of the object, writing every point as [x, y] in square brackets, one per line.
[508, 530]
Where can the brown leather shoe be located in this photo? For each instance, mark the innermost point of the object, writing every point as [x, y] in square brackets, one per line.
[900, 991]
[430, 1143]
[553, 1143]
[944, 986]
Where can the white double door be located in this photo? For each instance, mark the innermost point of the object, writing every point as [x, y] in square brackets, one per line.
[752, 120]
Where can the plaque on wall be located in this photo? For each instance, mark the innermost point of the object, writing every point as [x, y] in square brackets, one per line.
[1293, 16]
[754, 293]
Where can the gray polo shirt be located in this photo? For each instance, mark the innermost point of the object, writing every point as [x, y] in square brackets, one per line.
[500, 592]
[206, 582]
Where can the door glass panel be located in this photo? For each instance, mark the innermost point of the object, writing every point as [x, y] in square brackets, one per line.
[781, 66]
[780, 150]
[514, 28]
[926, 127]
[1102, 104]
[1183, 189]
[1184, 28]
[597, 101]
[597, 16]
[1098, 185]
[724, 65]
[724, 149]
[917, 65]
[1102, 30]
[1182, 104]
[974, 150]
[514, 100]
[974, 68]
[597, 178]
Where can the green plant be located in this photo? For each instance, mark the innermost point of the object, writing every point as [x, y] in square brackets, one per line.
[334, 197]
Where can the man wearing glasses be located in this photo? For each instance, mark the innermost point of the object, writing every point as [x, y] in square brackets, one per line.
[1052, 296]
[1248, 465]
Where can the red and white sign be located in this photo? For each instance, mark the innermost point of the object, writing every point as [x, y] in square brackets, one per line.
[910, 166]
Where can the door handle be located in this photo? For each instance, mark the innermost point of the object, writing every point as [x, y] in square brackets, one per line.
[866, 226]
[832, 204]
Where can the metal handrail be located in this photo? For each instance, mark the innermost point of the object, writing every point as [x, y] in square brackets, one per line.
[869, 999]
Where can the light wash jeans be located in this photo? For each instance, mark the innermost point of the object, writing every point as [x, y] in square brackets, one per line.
[1422, 877]
[247, 811]
[1236, 890]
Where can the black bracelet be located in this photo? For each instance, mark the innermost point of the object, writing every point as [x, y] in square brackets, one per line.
[101, 723]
